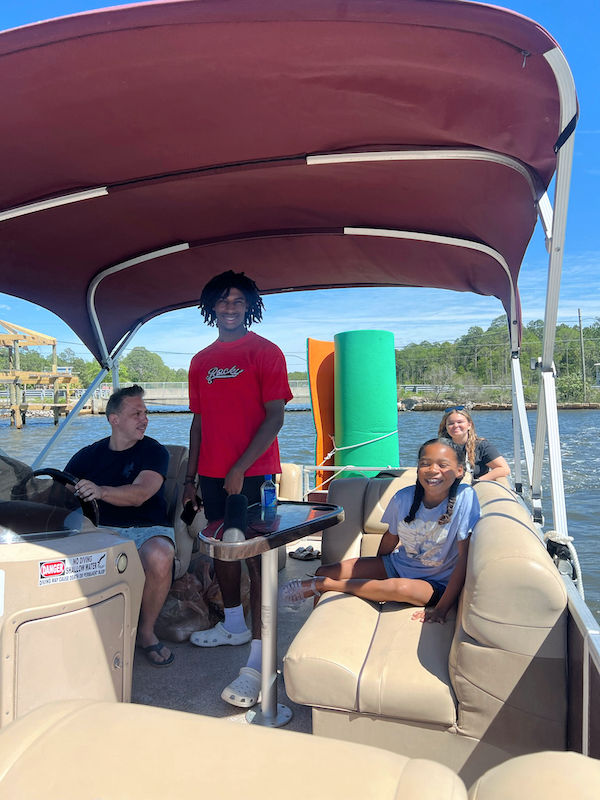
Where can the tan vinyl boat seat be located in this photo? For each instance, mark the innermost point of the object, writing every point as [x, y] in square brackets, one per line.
[488, 685]
[541, 776]
[83, 750]
[184, 534]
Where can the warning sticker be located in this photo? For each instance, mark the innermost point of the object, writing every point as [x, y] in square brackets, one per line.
[63, 570]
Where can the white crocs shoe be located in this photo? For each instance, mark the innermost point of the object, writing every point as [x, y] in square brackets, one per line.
[219, 635]
[244, 691]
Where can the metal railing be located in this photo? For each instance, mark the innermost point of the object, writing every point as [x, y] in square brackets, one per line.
[428, 387]
[34, 395]
[309, 472]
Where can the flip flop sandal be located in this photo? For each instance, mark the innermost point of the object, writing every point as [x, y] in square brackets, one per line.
[299, 553]
[156, 648]
[244, 691]
[306, 553]
[310, 555]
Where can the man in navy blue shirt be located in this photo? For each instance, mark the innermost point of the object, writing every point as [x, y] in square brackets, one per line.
[125, 474]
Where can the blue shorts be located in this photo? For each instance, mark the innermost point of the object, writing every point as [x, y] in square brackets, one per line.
[438, 586]
[141, 535]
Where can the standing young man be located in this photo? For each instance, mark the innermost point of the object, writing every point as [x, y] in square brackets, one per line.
[238, 389]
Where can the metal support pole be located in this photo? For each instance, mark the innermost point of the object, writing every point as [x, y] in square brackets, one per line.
[538, 455]
[69, 419]
[559, 511]
[18, 391]
[520, 421]
[271, 714]
[516, 433]
[115, 375]
[582, 358]
[11, 386]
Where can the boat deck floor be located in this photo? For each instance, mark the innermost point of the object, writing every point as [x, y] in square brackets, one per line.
[197, 676]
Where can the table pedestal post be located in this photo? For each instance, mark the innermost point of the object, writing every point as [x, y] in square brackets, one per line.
[271, 713]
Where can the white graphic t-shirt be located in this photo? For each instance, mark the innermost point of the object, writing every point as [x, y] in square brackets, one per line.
[426, 548]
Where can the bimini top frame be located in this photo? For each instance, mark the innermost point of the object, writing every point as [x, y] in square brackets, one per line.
[313, 145]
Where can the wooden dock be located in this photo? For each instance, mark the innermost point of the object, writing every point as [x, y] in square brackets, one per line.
[18, 411]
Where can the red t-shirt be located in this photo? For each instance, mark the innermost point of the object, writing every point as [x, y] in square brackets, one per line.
[229, 384]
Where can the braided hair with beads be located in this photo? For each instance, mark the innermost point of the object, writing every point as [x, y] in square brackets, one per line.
[420, 491]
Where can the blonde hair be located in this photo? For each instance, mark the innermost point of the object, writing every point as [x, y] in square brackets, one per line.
[472, 437]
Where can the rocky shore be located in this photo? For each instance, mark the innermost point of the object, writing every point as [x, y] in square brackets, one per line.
[418, 404]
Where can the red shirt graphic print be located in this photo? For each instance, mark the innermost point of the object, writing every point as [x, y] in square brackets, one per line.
[229, 384]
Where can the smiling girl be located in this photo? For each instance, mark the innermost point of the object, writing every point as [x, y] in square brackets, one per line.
[482, 458]
[422, 558]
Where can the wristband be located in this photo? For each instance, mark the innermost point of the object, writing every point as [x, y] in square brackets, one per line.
[189, 479]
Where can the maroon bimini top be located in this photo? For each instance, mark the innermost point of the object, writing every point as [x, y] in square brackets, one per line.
[197, 122]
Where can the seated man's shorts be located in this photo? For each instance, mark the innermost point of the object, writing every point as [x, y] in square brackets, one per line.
[141, 535]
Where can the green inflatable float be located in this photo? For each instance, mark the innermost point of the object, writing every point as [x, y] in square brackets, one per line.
[365, 401]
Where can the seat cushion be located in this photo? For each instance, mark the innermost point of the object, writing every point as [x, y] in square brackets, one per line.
[324, 662]
[541, 776]
[82, 750]
[354, 655]
[406, 674]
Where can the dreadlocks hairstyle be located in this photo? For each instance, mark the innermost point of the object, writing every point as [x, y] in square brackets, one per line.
[472, 437]
[420, 491]
[220, 286]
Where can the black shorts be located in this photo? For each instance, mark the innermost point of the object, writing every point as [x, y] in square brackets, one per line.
[438, 591]
[214, 495]
[438, 588]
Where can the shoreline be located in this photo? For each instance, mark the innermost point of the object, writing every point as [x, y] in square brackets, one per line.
[88, 412]
[403, 406]
[495, 406]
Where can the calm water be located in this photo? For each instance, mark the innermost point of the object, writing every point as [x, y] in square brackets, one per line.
[580, 434]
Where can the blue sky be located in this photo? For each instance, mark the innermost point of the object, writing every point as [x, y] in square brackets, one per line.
[434, 315]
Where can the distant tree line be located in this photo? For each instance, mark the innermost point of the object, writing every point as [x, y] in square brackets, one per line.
[479, 358]
[138, 366]
[482, 358]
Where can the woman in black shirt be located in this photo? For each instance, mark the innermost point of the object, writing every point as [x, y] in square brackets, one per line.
[483, 459]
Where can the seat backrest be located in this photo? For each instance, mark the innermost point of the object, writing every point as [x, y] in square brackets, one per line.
[508, 656]
[175, 477]
[289, 482]
[364, 500]
[378, 494]
[184, 535]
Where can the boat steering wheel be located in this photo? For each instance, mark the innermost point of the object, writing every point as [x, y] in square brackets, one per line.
[89, 507]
